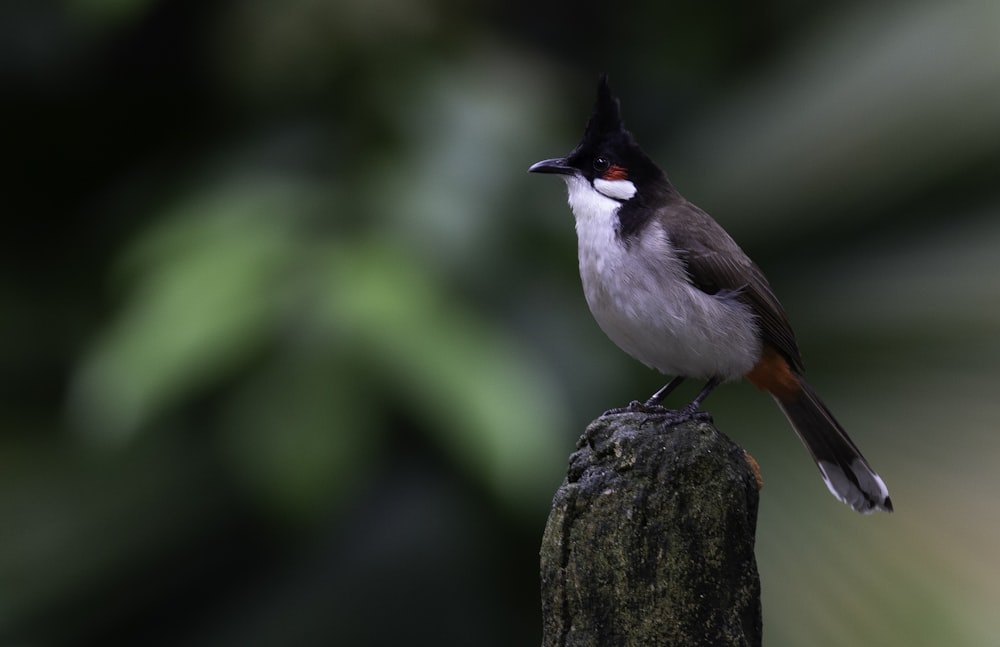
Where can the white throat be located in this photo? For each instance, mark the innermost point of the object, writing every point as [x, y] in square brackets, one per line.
[596, 212]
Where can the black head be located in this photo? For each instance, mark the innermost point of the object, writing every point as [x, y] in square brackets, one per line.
[607, 151]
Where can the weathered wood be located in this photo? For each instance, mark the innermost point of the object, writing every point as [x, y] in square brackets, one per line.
[651, 540]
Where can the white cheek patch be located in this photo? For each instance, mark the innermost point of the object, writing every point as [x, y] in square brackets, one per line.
[615, 189]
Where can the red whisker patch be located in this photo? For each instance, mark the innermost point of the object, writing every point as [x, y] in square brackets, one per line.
[615, 172]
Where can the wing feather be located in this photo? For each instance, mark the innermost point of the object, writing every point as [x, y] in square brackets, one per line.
[716, 264]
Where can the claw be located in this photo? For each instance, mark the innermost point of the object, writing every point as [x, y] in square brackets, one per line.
[639, 407]
[674, 418]
[660, 413]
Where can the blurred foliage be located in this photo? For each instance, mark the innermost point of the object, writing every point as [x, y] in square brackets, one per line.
[295, 351]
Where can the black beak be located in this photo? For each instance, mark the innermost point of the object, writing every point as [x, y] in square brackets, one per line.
[557, 165]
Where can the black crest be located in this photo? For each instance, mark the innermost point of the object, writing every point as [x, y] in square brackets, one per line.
[606, 137]
[607, 116]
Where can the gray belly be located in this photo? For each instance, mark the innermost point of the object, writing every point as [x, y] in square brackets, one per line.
[653, 314]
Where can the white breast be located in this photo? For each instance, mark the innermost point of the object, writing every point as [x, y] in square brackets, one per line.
[641, 298]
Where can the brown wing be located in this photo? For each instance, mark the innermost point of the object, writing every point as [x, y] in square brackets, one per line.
[716, 264]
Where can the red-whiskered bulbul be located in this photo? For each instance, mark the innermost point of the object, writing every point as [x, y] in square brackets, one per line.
[672, 289]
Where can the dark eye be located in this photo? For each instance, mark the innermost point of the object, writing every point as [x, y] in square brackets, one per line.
[601, 163]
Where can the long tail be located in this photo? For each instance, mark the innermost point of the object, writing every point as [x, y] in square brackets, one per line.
[846, 472]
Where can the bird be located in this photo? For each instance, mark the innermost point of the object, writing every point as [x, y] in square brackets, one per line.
[670, 287]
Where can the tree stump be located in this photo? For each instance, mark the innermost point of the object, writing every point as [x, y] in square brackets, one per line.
[650, 540]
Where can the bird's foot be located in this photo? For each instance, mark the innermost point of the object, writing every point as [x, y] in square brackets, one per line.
[640, 407]
[661, 414]
[672, 418]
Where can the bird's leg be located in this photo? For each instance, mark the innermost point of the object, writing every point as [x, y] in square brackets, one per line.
[664, 391]
[692, 409]
[673, 417]
[652, 405]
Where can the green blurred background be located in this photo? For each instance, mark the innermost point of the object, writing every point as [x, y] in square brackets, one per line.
[294, 350]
